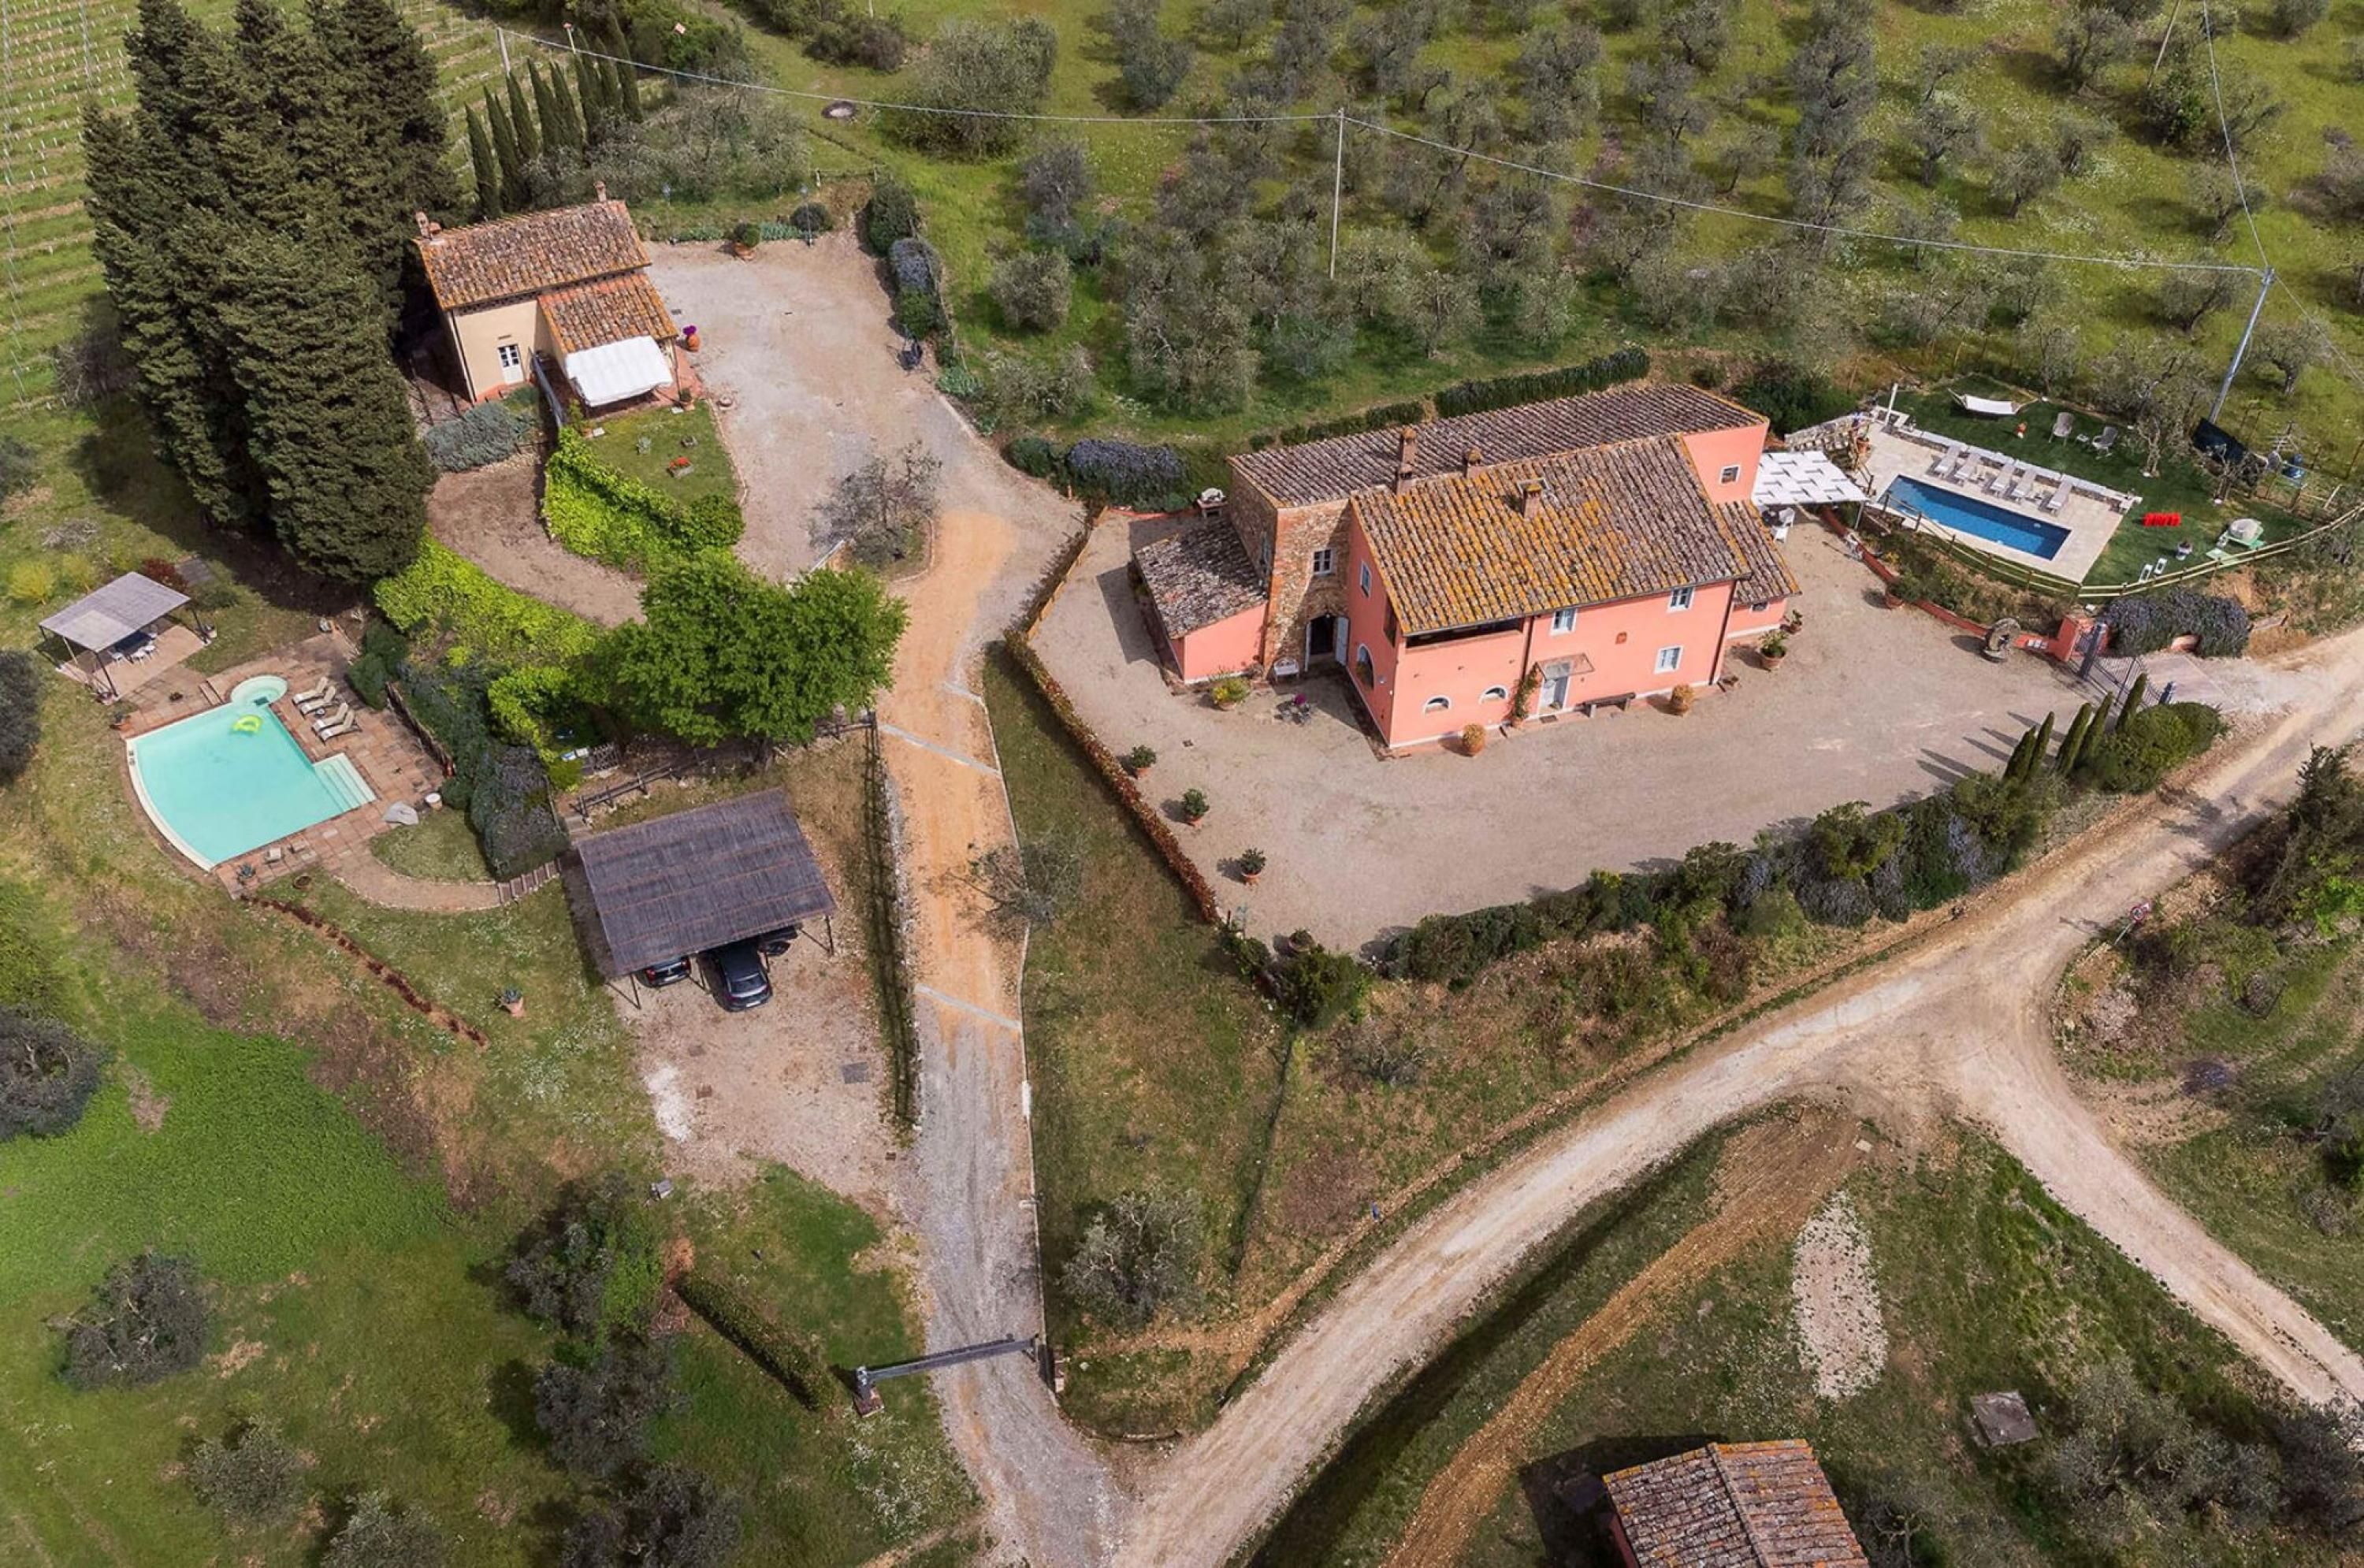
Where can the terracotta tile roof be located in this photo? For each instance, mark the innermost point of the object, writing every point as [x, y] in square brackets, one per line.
[513, 258]
[608, 311]
[1769, 573]
[1612, 523]
[1199, 576]
[1734, 1506]
[1334, 468]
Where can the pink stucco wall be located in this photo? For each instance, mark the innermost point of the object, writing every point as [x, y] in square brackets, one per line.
[1224, 648]
[1622, 641]
[1746, 622]
[1713, 452]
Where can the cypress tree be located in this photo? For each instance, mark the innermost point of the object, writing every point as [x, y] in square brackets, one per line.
[571, 121]
[400, 120]
[528, 133]
[2101, 714]
[591, 94]
[2018, 767]
[545, 111]
[2134, 698]
[2043, 746]
[2078, 728]
[347, 477]
[485, 165]
[626, 86]
[505, 151]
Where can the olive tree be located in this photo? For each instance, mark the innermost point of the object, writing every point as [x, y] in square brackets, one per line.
[1138, 1257]
[2289, 349]
[48, 1074]
[147, 1321]
[1033, 289]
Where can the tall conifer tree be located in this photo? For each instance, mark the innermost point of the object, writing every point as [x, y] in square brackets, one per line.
[485, 165]
[554, 138]
[571, 127]
[591, 93]
[529, 129]
[505, 151]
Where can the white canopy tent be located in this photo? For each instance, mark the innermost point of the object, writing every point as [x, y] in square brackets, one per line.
[1802, 479]
[615, 372]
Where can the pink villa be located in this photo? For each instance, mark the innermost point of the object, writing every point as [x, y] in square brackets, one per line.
[1605, 543]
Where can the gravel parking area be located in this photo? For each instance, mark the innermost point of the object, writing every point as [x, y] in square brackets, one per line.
[1872, 705]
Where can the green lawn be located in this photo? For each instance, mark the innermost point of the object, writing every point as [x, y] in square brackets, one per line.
[669, 434]
[1985, 1285]
[441, 848]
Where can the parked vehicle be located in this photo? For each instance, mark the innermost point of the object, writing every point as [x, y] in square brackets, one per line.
[741, 980]
[671, 972]
[772, 944]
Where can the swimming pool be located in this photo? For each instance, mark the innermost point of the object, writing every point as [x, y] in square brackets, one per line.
[233, 779]
[1968, 514]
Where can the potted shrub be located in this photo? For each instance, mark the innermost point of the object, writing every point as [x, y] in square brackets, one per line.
[512, 1002]
[1229, 691]
[745, 238]
[1194, 806]
[1139, 761]
[1773, 649]
[1473, 740]
[119, 713]
[1251, 866]
[1680, 700]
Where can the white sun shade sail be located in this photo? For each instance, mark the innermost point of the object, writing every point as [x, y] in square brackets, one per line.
[614, 372]
[1802, 479]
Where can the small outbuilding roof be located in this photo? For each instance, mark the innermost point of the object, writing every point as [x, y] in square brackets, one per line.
[584, 316]
[100, 619]
[511, 257]
[1734, 1506]
[1802, 479]
[699, 879]
[1199, 576]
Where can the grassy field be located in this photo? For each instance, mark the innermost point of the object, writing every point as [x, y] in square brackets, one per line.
[442, 848]
[669, 434]
[2241, 1156]
[1984, 1285]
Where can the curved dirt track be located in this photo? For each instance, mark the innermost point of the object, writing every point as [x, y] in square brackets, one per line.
[1954, 1027]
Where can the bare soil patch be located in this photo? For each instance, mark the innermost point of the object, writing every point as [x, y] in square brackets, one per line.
[147, 1106]
[493, 516]
[1836, 1298]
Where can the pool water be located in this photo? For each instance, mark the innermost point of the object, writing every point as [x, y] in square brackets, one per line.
[1968, 514]
[233, 779]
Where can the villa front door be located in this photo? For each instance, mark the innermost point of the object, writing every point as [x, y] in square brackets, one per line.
[1552, 694]
[1322, 638]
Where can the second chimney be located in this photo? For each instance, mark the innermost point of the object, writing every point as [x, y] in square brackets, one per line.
[1470, 460]
[1406, 455]
[1530, 495]
[598, 190]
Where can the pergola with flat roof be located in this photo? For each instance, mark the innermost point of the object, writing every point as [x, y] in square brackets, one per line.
[110, 622]
[699, 879]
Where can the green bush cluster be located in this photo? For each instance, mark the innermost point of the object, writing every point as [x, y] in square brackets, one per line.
[505, 790]
[147, 1322]
[384, 649]
[1386, 417]
[596, 512]
[48, 1074]
[1503, 391]
[485, 434]
[443, 593]
[1791, 395]
[591, 1266]
[2145, 623]
[20, 712]
[1118, 473]
[791, 1357]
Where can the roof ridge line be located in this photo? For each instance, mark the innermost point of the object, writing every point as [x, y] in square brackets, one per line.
[1747, 1527]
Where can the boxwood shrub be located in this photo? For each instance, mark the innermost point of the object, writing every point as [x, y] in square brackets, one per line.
[1386, 417]
[792, 1358]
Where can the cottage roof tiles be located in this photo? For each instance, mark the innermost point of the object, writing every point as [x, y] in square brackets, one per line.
[587, 315]
[1199, 576]
[1769, 575]
[1615, 522]
[1734, 1506]
[1334, 468]
[514, 258]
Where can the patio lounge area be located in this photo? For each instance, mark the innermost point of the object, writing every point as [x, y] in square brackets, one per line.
[123, 635]
[2013, 508]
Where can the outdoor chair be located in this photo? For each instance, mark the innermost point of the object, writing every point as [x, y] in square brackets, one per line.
[2018, 483]
[2064, 424]
[310, 705]
[2106, 439]
[1961, 461]
[1943, 454]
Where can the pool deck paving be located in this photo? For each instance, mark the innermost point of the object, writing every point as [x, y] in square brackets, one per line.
[2091, 513]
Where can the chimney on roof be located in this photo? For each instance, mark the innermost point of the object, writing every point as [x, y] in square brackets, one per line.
[1470, 460]
[1406, 455]
[598, 190]
[427, 227]
[1530, 496]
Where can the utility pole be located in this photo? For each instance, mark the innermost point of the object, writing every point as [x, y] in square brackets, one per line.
[1338, 191]
[2163, 39]
[2265, 287]
[502, 34]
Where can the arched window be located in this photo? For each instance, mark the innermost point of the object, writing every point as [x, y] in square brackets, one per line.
[1436, 705]
[1362, 664]
[1496, 693]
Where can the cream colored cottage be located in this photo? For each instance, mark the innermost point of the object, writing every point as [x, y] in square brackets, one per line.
[570, 285]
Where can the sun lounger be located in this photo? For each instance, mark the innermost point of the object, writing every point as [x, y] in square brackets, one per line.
[2018, 483]
[1946, 455]
[344, 712]
[1961, 461]
[310, 707]
[2106, 439]
[2059, 494]
[334, 731]
[317, 694]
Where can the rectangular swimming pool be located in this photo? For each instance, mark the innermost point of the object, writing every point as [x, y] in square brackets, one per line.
[1983, 519]
[233, 779]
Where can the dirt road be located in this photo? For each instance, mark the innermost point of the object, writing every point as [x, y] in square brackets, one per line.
[1955, 1026]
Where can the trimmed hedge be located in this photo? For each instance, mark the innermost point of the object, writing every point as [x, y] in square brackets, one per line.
[2145, 623]
[1386, 417]
[1503, 391]
[917, 267]
[793, 1358]
[1127, 474]
[596, 512]
[443, 591]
